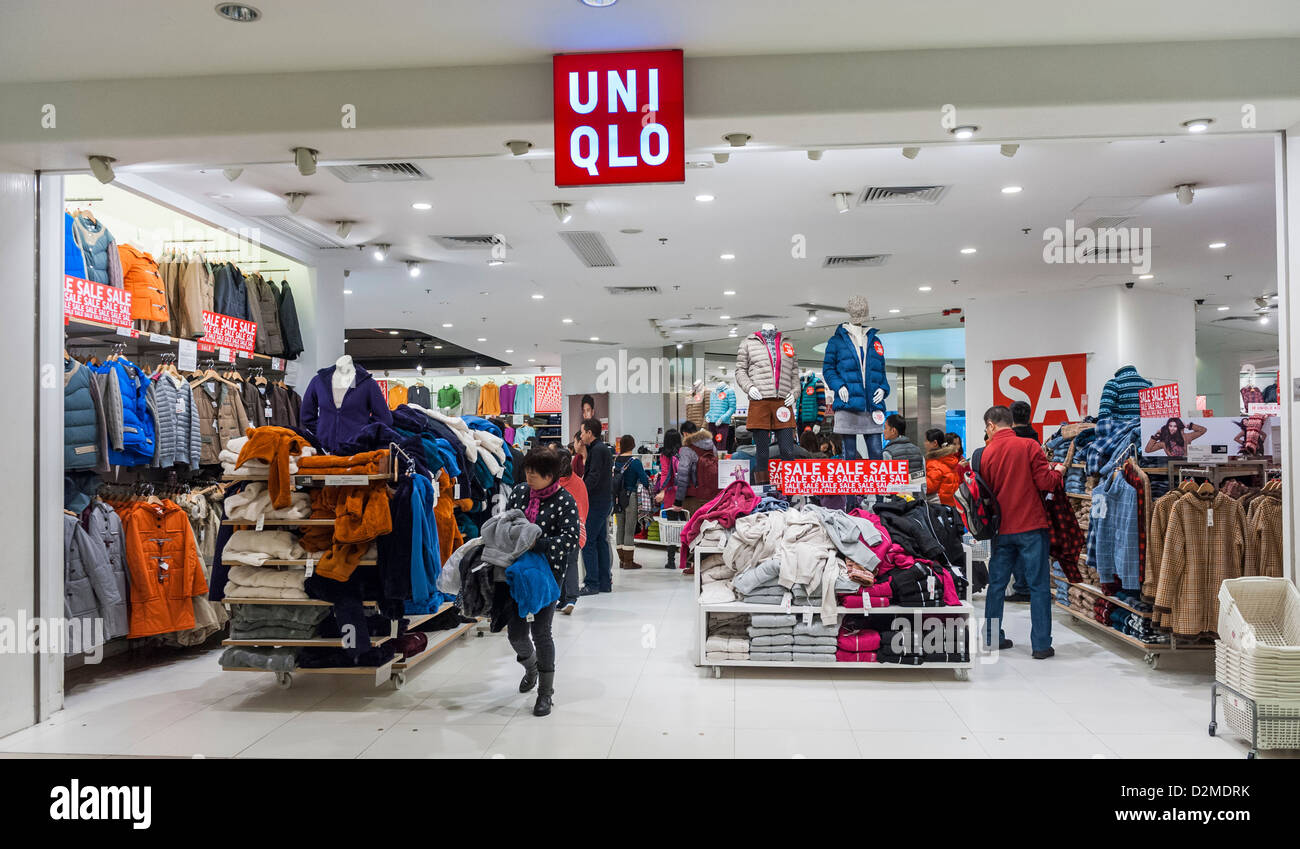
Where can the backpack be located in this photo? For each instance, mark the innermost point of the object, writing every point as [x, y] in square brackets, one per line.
[976, 502]
[622, 497]
[706, 475]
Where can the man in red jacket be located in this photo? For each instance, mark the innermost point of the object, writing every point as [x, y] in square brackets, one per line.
[1017, 471]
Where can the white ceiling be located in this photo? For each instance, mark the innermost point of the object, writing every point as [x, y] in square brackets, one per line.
[89, 39]
[763, 201]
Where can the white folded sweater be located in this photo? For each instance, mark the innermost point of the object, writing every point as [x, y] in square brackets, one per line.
[254, 548]
[254, 502]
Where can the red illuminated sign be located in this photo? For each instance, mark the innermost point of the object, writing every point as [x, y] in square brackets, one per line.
[619, 118]
[1055, 387]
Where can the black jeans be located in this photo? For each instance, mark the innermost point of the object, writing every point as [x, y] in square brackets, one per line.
[517, 630]
[763, 446]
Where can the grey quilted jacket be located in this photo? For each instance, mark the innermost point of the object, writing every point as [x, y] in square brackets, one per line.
[269, 338]
[754, 368]
[177, 420]
[91, 589]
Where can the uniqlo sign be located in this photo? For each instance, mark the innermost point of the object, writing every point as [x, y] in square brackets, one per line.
[1056, 387]
[619, 118]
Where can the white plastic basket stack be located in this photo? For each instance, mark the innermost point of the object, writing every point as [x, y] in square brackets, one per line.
[670, 532]
[1258, 655]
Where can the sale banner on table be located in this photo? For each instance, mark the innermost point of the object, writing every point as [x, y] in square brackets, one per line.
[1160, 401]
[837, 477]
[226, 331]
[546, 398]
[95, 302]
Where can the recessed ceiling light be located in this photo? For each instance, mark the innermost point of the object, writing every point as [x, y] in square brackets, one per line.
[843, 201]
[924, 288]
[239, 13]
[392, 333]
[704, 198]
[567, 320]
[510, 350]
[347, 291]
[446, 324]
[895, 311]
[380, 253]
[538, 296]
[437, 347]
[496, 262]
[729, 292]
[596, 4]
[965, 131]
[1198, 125]
[1146, 276]
[1217, 245]
[727, 256]
[1012, 190]
[630, 231]
[531, 360]
[1224, 309]
[595, 338]
[482, 338]
[1263, 319]
[724, 318]
[968, 250]
[422, 206]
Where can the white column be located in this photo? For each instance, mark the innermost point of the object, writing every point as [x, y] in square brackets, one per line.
[322, 314]
[1288, 311]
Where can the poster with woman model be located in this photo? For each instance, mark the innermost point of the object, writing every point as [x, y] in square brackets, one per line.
[1207, 439]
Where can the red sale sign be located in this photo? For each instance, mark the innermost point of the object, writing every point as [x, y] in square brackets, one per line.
[619, 118]
[95, 302]
[546, 394]
[225, 331]
[1160, 402]
[837, 477]
[1055, 387]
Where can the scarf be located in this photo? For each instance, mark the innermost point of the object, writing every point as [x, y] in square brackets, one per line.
[535, 497]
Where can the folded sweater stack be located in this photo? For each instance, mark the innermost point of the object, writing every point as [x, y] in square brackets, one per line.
[814, 642]
[771, 637]
[721, 647]
[759, 585]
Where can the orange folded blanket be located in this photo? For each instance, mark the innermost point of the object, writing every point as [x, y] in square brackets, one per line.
[365, 463]
[360, 514]
[273, 445]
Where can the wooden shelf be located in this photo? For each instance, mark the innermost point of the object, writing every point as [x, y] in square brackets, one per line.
[1098, 591]
[1119, 635]
[298, 563]
[445, 639]
[415, 619]
[306, 602]
[277, 523]
[743, 607]
[326, 642]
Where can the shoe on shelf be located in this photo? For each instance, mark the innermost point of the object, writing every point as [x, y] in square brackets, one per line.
[1045, 653]
[585, 591]
[1018, 598]
[567, 608]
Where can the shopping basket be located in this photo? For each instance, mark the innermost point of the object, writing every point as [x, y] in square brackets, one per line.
[1261, 617]
[670, 531]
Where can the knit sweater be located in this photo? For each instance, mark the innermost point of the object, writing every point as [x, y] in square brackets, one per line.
[1120, 395]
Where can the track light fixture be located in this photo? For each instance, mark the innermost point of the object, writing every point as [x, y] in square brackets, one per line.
[232, 174]
[842, 201]
[380, 252]
[911, 152]
[518, 147]
[563, 211]
[305, 159]
[403, 350]
[294, 200]
[721, 158]
[343, 228]
[102, 168]
[1010, 150]
[1185, 192]
[965, 131]
[413, 268]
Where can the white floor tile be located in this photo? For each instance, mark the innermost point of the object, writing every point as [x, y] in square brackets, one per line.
[415, 739]
[813, 742]
[539, 736]
[1011, 745]
[666, 740]
[919, 744]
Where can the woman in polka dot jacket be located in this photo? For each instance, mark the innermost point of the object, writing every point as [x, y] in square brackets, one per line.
[547, 504]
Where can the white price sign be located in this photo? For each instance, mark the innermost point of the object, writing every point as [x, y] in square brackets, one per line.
[187, 355]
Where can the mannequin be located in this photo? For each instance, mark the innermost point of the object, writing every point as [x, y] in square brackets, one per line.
[854, 369]
[722, 406]
[340, 401]
[695, 402]
[767, 371]
[345, 377]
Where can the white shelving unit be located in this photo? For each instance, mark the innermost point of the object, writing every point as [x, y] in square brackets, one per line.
[961, 670]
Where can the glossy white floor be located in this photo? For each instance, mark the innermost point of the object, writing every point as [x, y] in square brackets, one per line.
[626, 687]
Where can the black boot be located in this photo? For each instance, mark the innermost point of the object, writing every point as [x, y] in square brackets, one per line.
[544, 692]
[530, 674]
[672, 559]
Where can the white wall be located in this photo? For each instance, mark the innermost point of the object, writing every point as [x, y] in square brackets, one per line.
[640, 414]
[17, 428]
[1117, 327]
[1218, 378]
[1288, 310]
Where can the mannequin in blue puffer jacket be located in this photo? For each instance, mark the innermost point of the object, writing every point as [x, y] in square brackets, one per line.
[854, 369]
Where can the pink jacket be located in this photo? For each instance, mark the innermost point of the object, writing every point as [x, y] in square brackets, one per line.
[891, 554]
[858, 641]
[733, 502]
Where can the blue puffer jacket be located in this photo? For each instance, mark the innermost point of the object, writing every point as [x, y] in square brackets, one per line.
[80, 424]
[137, 421]
[74, 261]
[843, 367]
[96, 247]
[722, 405]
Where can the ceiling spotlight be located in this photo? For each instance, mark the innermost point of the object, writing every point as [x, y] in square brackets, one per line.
[737, 139]
[815, 155]
[510, 350]
[726, 256]
[965, 131]
[895, 311]
[1224, 308]
[1012, 190]
[598, 4]
[403, 350]
[232, 174]
[477, 366]
[419, 367]
[567, 320]
[102, 168]
[842, 201]
[392, 333]
[1146, 276]
[537, 296]
[1010, 150]
[704, 198]
[724, 318]
[1263, 319]
[562, 211]
[721, 158]
[494, 263]
[1184, 192]
[446, 324]
[305, 159]
[482, 338]
[437, 347]
[422, 206]
[238, 12]
[519, 147]
[911, 152]
[812, 317]
[413, 268]
[532, 359]
[968, 250]
[923, 288]
[595, 338]
[343, 228]
[729, 292]
[380, 253]
[347, 291]
[294, 200]
[1217, 245]
[679, 346]
[1198, 125]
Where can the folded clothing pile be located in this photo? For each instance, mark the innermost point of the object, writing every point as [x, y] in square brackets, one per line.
[714, 568]
[276, 621]
[254, 548]
[882, 638]
[814, 642]
[761, 584]
[712, 535]
[265, 582]
[229, 458]
[771, 637]
[254, 502]
[722, 647]
[270, 659]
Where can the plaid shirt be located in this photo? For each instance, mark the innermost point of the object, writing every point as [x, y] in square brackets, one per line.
[1115, 529]
[1066, 536]
[1264, 537]
[1139, 482]
[1113, 436]
[1197, 558]
[1160, 513]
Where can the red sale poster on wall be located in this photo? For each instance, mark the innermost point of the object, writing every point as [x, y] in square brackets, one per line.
[546, 399]
[1160, 401]
[225, 331]
[1055, 387]
[95, 302]
[837, 477]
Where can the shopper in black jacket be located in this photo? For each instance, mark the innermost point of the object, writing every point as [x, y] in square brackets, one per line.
[597, 472]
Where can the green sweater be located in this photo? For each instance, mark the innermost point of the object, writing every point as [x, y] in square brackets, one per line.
[448, 398]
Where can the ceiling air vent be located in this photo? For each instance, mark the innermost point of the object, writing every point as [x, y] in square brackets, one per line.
[1108, 221]
[632, 290]
[378, 172]
[590, 247]
[855, 261]
[469, 243]
[295, 229]
[695, 325]
[589, 342]
[758, 316]
[901, 195]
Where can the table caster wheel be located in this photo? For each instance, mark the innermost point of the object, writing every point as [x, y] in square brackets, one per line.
[962, 674]
[717, 672]
[399, 680]
[1214, 727]
[284, 679]
[1251, 755]
[1152, 659]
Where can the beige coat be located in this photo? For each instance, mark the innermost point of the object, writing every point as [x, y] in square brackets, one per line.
[221, 418]
[754, 368]
[1197, 558]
